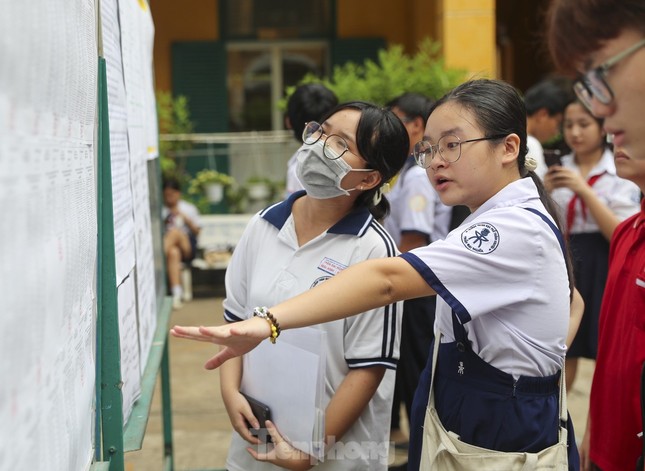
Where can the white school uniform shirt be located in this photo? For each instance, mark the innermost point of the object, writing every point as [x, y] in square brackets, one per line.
[268, 266]
[187, 209]
[415, 206]
[503, 273]
[620, 195]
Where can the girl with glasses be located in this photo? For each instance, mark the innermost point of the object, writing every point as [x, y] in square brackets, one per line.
[502, 281]
[303, 242]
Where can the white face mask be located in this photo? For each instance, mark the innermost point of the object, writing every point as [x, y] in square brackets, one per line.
[319, 175]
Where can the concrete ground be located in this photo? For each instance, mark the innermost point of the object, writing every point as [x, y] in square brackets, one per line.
[201, 428]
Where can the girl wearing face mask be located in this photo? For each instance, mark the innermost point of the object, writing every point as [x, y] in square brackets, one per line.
[592, 200]
[301, 242]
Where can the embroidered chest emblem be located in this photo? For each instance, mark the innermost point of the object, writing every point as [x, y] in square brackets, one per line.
[481, 238]
[460, 368]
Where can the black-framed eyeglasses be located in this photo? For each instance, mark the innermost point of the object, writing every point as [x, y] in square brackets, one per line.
[334, 146]
[448, 147]
[593, 84]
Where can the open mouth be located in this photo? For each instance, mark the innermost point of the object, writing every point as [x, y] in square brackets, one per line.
[440, 182]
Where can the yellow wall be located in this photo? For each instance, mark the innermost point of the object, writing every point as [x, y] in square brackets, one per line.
[404, 22]
[374, 18]
[466, 28]
[188, 20]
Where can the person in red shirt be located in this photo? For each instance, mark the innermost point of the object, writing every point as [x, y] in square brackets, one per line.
[602, 42]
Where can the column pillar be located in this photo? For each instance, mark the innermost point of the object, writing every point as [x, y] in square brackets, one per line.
[466, 30]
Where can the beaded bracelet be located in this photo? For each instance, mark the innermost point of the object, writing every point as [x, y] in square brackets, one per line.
[264, 313]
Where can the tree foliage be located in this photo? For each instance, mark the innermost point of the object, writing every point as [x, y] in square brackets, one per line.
[173, 116]
[394, 73]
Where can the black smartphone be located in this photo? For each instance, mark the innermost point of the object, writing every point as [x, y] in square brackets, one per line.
[262, 412]
[552, 157]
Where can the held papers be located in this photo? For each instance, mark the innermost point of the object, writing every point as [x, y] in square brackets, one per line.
[289, 377]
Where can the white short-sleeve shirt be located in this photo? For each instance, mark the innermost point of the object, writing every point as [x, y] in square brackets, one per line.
[415, 206]
[187, 209]
[504, 274]
[620, 195]
[268, 266]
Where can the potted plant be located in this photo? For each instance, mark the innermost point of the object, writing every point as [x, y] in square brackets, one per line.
[210, 185]
[261, 189]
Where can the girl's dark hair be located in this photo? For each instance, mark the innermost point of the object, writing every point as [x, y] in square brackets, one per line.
[577, 28]
[171, 183]
[499, 110]
[382, 140]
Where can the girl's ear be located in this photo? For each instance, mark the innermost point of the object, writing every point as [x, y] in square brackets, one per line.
[370, 180]
[511, 148]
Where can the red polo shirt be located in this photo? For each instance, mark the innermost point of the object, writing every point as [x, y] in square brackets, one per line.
[615, 410]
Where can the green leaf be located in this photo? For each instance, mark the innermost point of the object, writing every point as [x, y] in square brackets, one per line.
[392, 74]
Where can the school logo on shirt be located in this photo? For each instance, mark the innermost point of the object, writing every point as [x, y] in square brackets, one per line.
[481, 238]
[417, 203]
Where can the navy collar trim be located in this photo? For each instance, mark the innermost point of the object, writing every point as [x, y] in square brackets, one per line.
[355, 223]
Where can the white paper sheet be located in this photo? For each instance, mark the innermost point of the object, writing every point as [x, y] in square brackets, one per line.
[289, 377]
[119, 152]
[130, 365]
[48, 239]
[136, 31]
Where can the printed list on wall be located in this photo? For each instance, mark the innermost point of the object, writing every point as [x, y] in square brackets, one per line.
[48, 83]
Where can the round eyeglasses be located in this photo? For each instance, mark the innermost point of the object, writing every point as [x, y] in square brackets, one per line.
[448, 147]
[593, 84]
[334, 146]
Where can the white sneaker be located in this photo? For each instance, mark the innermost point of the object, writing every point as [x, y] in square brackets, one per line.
[176, 302]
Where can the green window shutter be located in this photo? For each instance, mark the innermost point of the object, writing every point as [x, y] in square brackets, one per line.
[199, 72]
[355, 50]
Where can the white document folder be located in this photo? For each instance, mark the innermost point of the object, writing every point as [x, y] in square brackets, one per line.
[289, 377]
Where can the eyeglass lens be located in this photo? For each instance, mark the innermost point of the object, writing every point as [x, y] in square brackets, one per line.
[333, 147]
[312, 132]
[449, 148]
[591, 86]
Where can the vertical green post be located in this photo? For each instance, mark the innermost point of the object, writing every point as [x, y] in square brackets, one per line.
[109, 355]
[166, 403]
[167, 410]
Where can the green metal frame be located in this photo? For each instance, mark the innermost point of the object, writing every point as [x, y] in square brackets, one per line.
[157, 360]
[109, 352]
[115, 439]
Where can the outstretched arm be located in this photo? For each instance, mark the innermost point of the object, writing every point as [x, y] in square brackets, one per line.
[359, 288]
